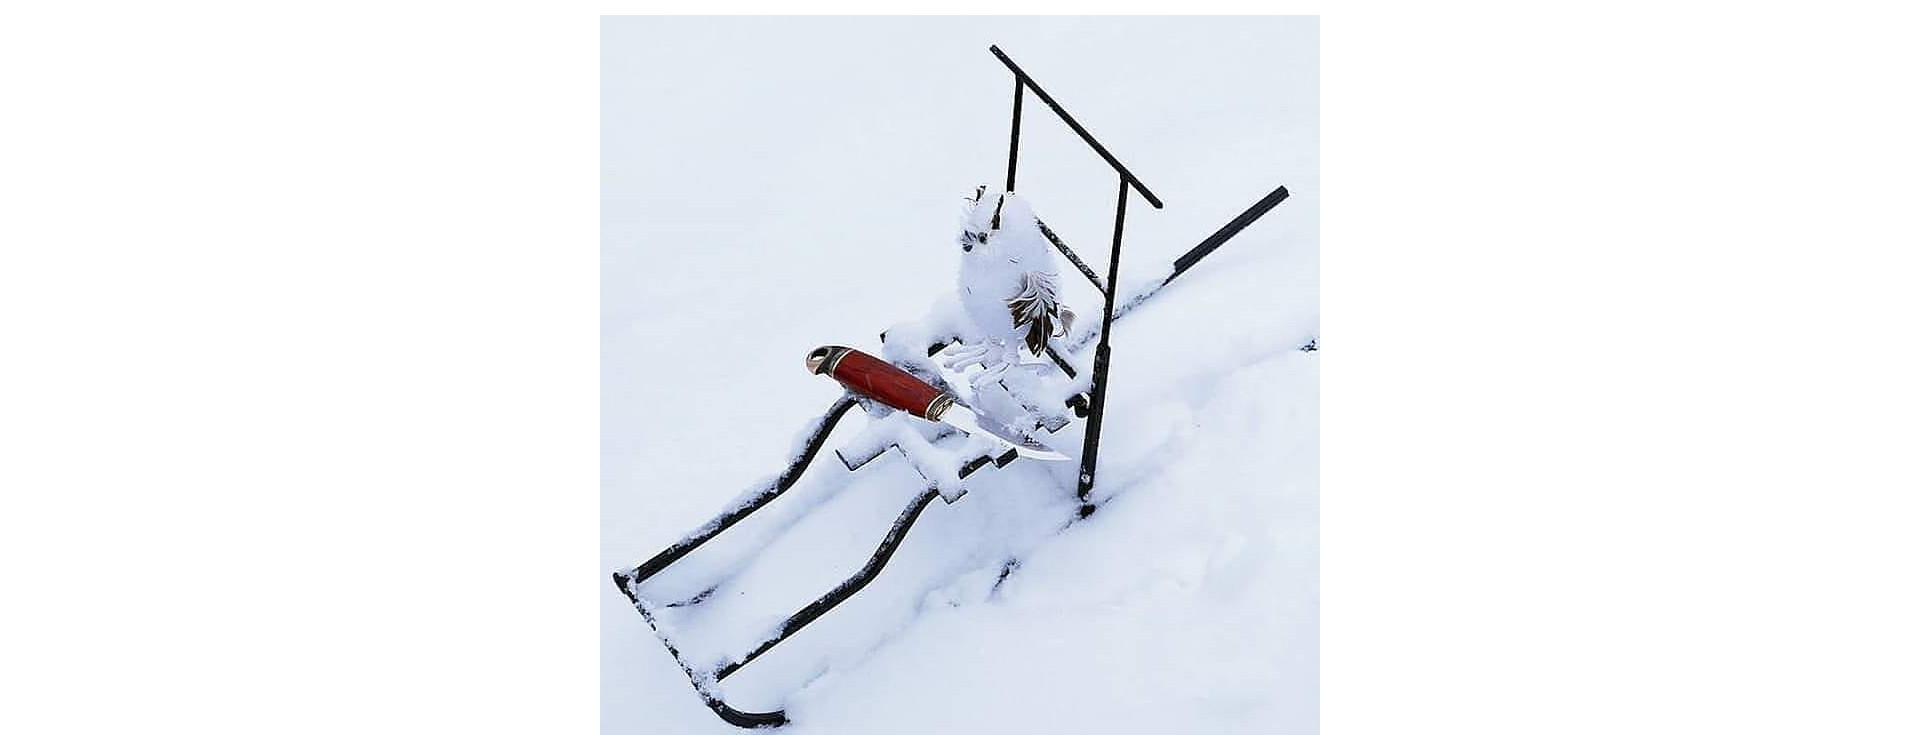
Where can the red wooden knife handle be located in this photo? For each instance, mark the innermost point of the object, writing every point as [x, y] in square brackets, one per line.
[874, 378]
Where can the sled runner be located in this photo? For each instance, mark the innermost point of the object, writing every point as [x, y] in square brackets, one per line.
[939, 425]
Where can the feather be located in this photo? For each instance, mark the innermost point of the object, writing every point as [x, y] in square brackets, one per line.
[1036, 306]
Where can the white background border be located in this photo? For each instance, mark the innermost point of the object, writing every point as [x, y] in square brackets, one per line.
[299, 396]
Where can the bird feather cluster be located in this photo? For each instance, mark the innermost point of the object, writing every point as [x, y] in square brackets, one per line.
[1008, 284]
[1037, 308]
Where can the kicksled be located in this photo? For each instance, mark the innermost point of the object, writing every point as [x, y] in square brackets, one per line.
[940, 427]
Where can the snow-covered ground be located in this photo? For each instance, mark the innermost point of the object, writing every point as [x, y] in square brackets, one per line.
[774, 184]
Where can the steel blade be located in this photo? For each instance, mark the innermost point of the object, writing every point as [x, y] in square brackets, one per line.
[973, 424]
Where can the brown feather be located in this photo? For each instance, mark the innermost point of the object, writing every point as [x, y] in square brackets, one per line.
[1035, 308]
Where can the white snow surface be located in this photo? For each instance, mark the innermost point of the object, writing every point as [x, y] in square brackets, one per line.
[774, 184]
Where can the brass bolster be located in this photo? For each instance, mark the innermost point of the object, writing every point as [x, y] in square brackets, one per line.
[939, 406]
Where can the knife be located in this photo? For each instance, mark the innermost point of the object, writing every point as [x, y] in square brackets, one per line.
[874, 378]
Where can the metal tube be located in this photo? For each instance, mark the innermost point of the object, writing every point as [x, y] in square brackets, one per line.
[746, 506]
[1090, 451]
[1220, 237]
[1075, 124]
[1047, 232]
[1013, 142]
[846, 588]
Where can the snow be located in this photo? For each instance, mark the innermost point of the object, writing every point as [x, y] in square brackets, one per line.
[791, 183]
[995, 271]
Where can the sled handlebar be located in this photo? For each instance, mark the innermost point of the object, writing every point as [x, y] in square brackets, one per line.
[1027, 81]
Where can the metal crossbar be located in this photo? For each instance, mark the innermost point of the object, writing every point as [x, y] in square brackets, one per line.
[1125, 174]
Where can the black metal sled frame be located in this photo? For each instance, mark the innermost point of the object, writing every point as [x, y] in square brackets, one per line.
[705, 680]
[1092, 406]
[1096, 403]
